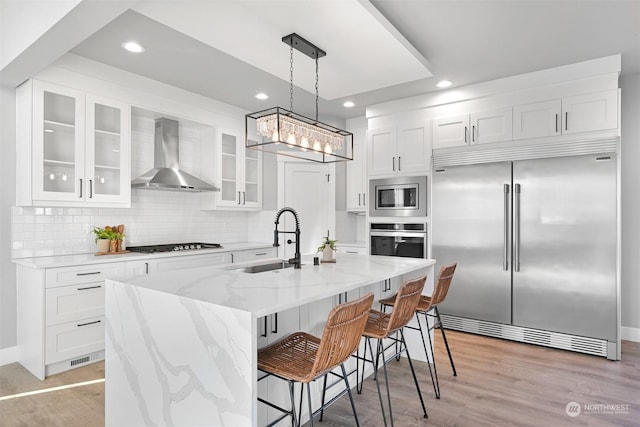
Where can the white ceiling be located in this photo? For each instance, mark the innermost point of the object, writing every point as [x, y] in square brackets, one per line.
[376, 51]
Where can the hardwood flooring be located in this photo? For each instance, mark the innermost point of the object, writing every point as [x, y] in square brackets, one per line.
[499, 383]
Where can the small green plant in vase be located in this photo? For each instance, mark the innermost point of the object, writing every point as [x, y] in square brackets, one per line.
[327, 248]
[103, 237]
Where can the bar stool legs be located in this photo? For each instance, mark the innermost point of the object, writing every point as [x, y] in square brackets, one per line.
[376, 364]
[324, 391]
[444, 338]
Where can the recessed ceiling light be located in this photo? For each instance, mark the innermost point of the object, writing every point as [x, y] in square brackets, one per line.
[132, 47]
[444, 83]
[262, 96]
[349, 104]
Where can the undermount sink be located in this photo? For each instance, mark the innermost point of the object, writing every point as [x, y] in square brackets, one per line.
[261, 268]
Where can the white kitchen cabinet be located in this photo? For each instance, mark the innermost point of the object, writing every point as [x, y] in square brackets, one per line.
[73, 148]
[352, 249]
[590, 112]
[159, 265]
[401, 149]
[474, 128]
[238, 173]
[357, 173]
[537, 119]
[178, 262]
[567, 115]
[254, 254]
[61, 316]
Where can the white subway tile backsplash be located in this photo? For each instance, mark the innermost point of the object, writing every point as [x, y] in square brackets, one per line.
[154, 217]
[44, 219]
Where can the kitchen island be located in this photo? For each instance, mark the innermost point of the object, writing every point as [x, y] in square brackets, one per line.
[181, 347]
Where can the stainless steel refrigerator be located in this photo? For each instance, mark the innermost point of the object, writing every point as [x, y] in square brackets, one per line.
[537, 249]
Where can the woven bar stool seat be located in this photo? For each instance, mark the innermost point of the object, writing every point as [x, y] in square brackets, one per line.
[382, 325]
[292, 357]
[302, 357]
[426, 305]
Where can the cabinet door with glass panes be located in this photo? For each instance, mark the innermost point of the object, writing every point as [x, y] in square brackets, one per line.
[80, 148]
[58, 143]
[252, 196]
[107, 151]
[240, 173]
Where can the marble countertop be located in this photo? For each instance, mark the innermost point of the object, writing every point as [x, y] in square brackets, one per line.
[90, 258]
[273, 291]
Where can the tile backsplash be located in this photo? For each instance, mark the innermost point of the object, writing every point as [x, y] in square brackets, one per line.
[154, 217]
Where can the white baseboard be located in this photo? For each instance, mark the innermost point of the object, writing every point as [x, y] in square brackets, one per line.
[8, 355]
[630, 334]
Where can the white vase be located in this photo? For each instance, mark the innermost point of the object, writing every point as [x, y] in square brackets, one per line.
[327, 253]
[103, 245]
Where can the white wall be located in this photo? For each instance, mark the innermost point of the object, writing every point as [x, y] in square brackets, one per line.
[7, 198]
[630, 116]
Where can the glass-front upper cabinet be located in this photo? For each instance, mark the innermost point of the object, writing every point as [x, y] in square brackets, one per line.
[252, 181]
[107, 158]
[80, 148]
[230, 194]
[239, 173]
[58, 149]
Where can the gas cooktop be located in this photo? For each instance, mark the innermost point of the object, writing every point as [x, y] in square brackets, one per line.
[171, 247]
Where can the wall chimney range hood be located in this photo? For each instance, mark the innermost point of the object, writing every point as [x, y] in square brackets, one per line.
[166, 174]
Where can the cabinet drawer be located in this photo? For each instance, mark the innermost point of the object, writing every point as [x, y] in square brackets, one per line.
[83, 274]
[76, 302]
[73, 339]
[352, 249]
[253, 255]
[193, 261]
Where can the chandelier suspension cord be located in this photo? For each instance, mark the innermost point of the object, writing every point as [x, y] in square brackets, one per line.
[291, 79]
[316, 86]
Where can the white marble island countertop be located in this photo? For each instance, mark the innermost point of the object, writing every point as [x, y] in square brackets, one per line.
[277, 290]
[181, 347]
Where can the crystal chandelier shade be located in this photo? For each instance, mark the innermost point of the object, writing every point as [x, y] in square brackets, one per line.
[284, 132]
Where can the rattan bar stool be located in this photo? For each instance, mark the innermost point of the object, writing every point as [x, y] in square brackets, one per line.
[381, 326]
[301, 357]
[426, 305]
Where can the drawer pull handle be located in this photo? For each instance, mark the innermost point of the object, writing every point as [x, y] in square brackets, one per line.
[352, 252]
[89, 323]
[89, 287]
[87, 274]
[261, 253]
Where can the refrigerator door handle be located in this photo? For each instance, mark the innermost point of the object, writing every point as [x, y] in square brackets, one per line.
[505, 255]
[516, 228]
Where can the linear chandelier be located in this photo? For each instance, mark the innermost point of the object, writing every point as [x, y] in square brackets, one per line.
[279, 131]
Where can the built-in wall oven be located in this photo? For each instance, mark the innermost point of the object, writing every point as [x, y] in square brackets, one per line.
[398, 239]
[404, 196]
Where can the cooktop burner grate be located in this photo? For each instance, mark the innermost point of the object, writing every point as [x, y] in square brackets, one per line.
[173, 247]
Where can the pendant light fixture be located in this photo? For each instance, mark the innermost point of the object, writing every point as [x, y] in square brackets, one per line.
[284, 132]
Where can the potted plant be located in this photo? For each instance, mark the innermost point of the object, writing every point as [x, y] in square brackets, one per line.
[327, 248]
[103, 237]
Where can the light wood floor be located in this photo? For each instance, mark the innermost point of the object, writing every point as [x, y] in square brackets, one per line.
[499, 383]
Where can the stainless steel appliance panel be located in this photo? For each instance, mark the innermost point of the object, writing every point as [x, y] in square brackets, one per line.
[471, 226]
[403, 240]
[564, 277]
[404, 196]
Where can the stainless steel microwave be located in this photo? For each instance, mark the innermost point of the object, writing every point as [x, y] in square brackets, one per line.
[404, 196]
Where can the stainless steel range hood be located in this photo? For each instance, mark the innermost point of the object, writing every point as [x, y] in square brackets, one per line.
[166, 174]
